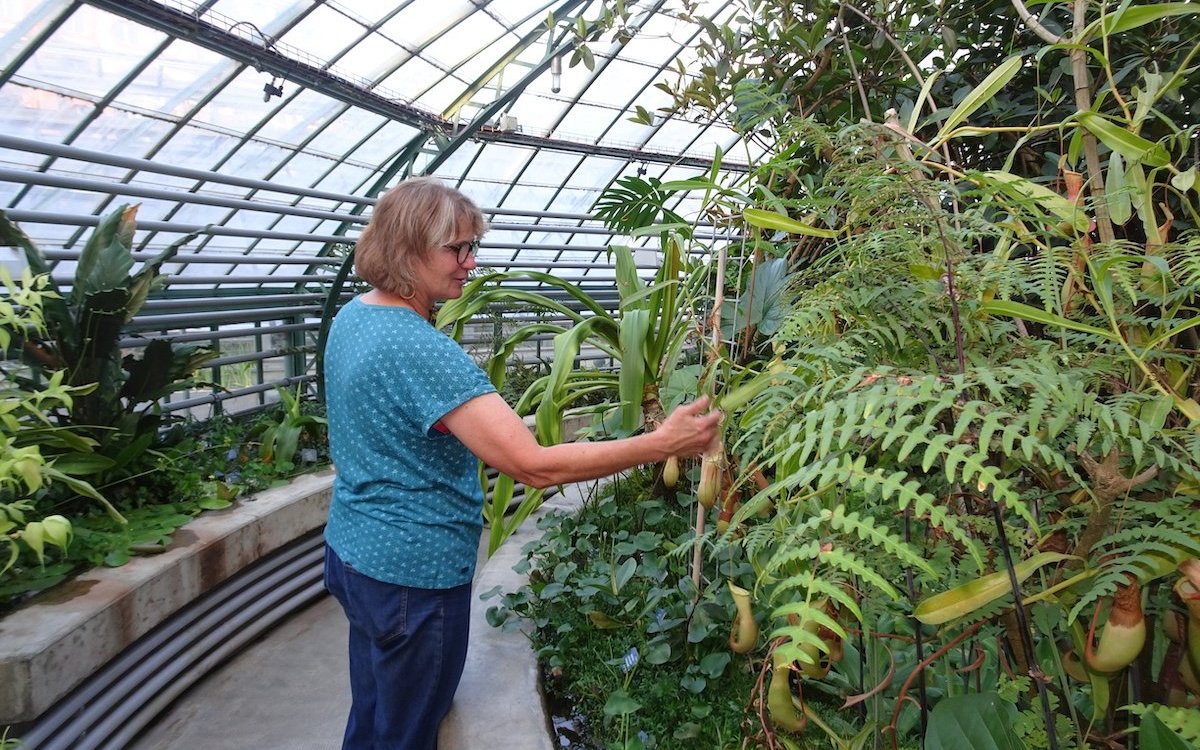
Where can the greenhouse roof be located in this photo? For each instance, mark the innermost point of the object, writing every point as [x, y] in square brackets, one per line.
[271, 124]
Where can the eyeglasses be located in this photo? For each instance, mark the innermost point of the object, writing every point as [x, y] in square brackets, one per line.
[464, 250]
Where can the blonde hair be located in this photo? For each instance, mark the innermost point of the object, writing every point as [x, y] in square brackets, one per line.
[411, 220]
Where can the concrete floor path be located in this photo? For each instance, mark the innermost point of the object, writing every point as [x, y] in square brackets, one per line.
[290, 689]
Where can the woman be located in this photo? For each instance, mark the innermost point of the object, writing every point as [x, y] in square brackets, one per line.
[409, 412]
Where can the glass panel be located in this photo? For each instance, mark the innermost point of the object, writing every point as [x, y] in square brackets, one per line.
[344, 147]
[266, 15]
[254, 160]
[418, 23]
[344, 131]
[323, 34]
[177, 79]
[346, 178]
[21, 21]
[371, 58]
[70, 202]
[72, 59]
[414, 77]
[199, 215]
[239, 105]
[39, 114]
[303, 169]
[381, 145]
[297, 118]
[123, 133]
[195, 148]
[585, 122]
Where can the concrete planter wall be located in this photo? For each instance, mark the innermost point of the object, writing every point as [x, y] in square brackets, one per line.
[51, 645]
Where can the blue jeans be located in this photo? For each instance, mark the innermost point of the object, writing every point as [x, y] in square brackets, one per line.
[407, 649]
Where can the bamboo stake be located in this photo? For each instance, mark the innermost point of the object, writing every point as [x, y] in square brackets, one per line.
[715, 321]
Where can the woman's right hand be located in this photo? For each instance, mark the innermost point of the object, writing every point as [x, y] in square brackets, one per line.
[690, 430]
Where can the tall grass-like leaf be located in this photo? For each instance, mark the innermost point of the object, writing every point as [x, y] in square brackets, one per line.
[486, 289]
[1128, 144]
[634, 327]
[628, 281]
[925, 89]
[497, 368]
[981, 721]
[1046, 199]
[548, 418]
[772, 220]
[1139, 15]
[981, 94]
[1171, 333]
[1025, 312]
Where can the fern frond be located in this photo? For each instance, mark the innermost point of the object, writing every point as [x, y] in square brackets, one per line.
[848, 562]
[1116, 573]
[813, 585]
[866, 528]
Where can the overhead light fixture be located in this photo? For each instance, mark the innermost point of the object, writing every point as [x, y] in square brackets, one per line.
[274, 88]
[555, 74]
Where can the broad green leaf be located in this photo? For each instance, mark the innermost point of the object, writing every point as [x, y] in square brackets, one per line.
[732, 399]
[1184, 181]
[106, 259]
[622, 574]
[548, 418]
[761, 304]
[1154, 733]
[488, 289]
[1120, 208]
[653, 229]
[979, 721]
[628, 281]
[981, 94]
[713, 665]
[620, 703]
[82, 463]
[970, 596]
[495, 509]
[646, 292]
[498, 365]
[57, 530]
[603, 621]
[681, 386]
[1128, 144]
[772, 220]
[1143, 201]
[34, 537]
[1025, 312]
[1171, 333]
[695, 183]
[1139, 15]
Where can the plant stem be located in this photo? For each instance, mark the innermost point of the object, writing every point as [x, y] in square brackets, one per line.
[1083, 102]
[919, 640]
[718, 301]
[1023, 628]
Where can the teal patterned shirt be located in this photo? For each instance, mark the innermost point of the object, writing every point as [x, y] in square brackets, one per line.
[406, 501]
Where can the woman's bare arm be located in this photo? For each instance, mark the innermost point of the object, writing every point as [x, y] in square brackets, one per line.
[489, 427]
